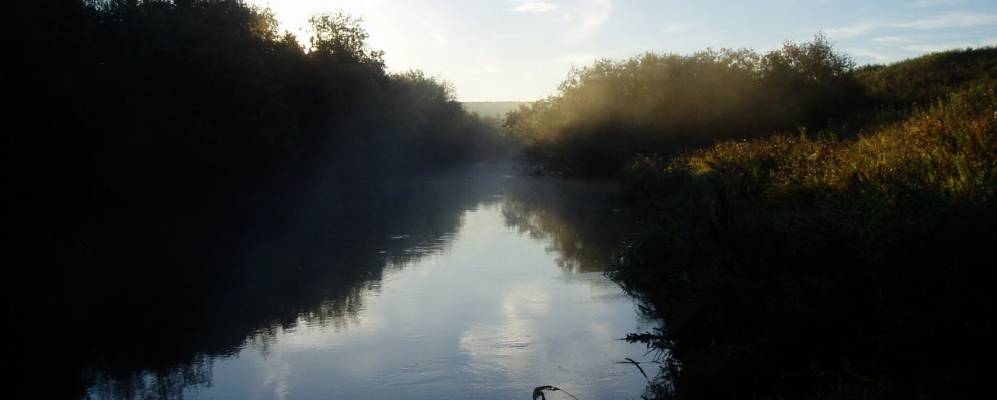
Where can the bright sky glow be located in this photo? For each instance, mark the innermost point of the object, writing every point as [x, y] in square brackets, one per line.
[493, 50]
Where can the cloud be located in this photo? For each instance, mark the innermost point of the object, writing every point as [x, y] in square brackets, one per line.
[951, 20]
[871, 55]
[852, 31]
[535, 7]
[581, 18]
[438, 34]
[935, 3]
[925, 43]
[894, 40]
[589, 15]
[956, 19]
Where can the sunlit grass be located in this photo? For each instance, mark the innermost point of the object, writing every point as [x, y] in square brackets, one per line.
[814, 266]
[949, 147]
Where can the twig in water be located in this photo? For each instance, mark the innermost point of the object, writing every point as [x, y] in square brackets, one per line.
[636, 364]
[538, 392]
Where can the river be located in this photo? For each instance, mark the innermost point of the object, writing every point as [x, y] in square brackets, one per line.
[478, 284]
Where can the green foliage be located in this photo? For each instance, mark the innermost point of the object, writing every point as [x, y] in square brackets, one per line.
[608, 113]
[800, 267]
[342, 36]
[849, 260]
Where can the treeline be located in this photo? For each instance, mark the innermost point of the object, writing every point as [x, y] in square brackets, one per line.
[835, 262]
[119, 99]
[129, 114]
[607, 114]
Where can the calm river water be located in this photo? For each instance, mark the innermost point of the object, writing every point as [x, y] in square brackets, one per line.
[475, 285]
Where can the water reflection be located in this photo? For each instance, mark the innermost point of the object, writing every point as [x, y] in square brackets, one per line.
[579, 218]
[442, 287]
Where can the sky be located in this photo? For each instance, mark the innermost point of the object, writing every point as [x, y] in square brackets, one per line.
[520, 50]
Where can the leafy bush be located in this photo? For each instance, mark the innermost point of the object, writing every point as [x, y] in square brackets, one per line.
[608, 113]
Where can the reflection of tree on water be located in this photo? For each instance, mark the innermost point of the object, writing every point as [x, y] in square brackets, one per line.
[578, 218]
[167, 383]
[316, 267]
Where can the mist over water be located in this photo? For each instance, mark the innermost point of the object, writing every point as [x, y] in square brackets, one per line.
[198, 204]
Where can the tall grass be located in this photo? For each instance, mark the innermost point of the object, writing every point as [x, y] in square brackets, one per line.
[947, 147]
[812, 266]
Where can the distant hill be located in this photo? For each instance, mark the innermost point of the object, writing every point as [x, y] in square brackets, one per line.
[496, 109]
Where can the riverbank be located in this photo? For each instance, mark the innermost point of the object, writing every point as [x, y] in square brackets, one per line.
[816, 266]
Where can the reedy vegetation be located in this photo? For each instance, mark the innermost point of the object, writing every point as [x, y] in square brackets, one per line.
[850, 262]
[850, 259]
[815, 267]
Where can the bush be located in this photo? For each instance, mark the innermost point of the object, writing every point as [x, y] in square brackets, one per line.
[608, 113]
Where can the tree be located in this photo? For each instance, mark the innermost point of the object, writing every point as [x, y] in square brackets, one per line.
[343, 37]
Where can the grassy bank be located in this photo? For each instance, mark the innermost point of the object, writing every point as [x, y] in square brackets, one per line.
[831, 266]
[813, 229]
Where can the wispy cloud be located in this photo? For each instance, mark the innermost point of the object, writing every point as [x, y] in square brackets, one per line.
[894, 40]
[936, 3]
[852, 30]
[435, 32]
[955, 19]
[928, 43]
[870, 55]
[951, 20]
[535, 7]
[589, 15]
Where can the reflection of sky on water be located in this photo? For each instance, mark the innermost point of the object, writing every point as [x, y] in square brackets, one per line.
[489, 316]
